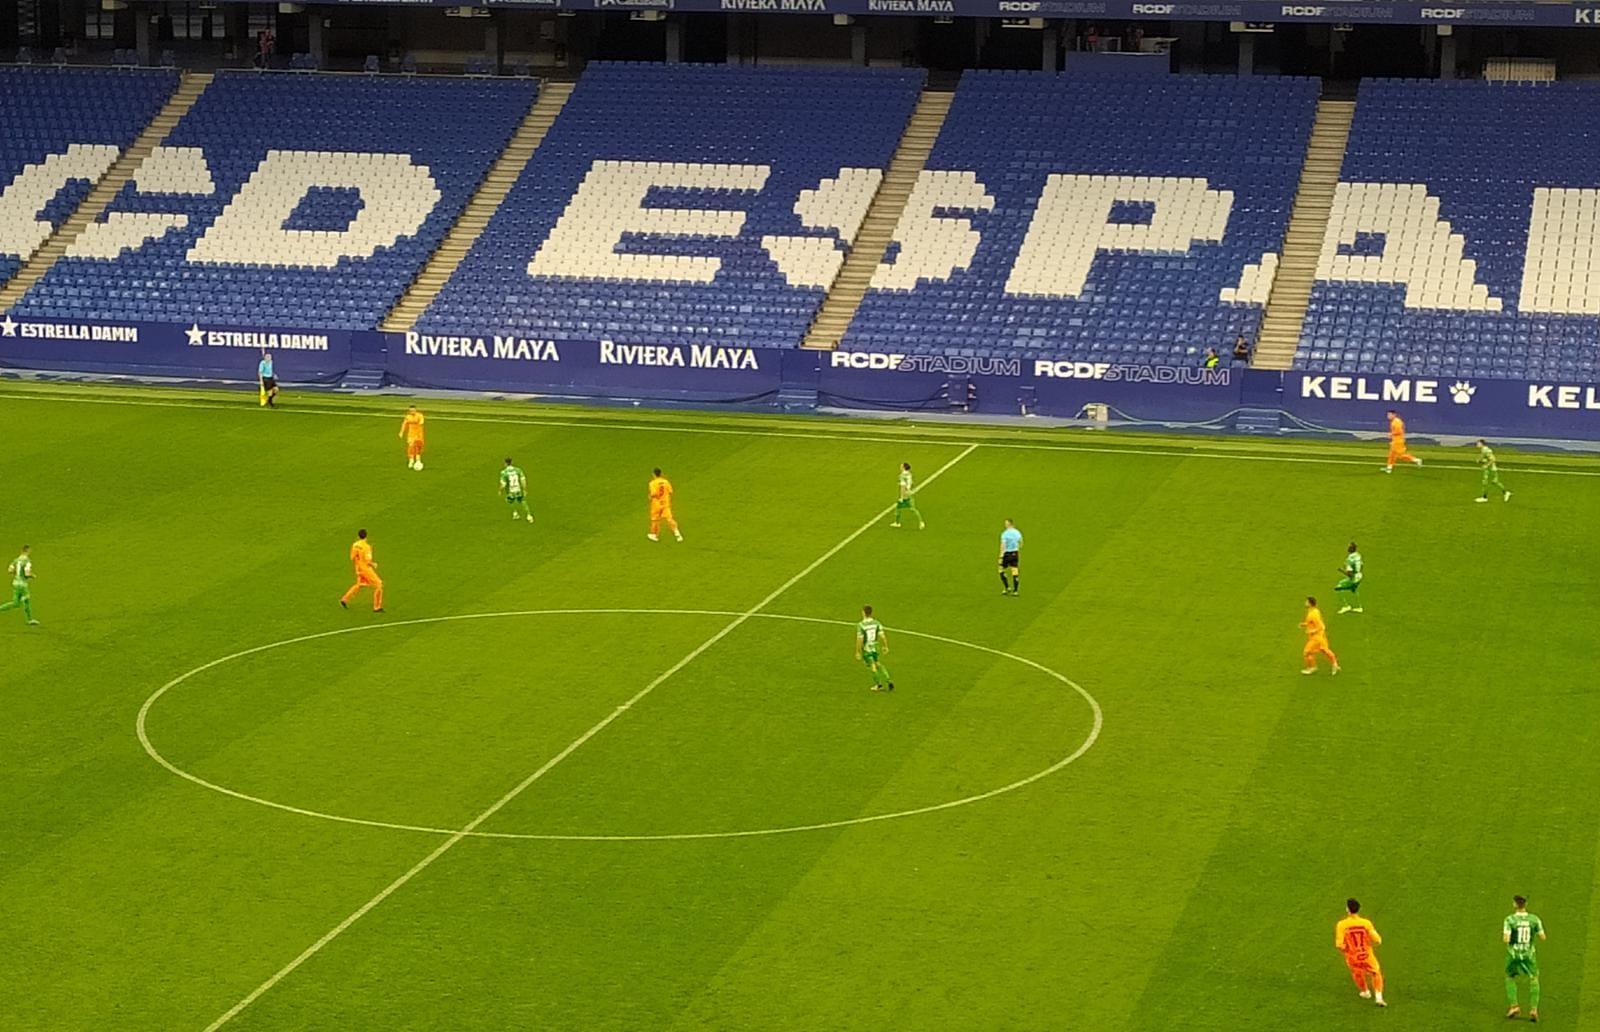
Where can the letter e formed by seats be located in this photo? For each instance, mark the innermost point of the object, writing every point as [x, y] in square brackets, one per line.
[1072, 224]
[610, 204]
[397, 196]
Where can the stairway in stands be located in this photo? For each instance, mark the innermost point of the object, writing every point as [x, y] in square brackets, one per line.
[480, 209]
[105, 191]
[877, 229]
[1302, 245]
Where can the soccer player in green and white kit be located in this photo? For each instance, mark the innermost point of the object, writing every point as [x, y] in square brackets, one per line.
[514, 485]
[1519, 931]
[907, 501]
[872, 643]
[21, 570]
[1351, 581]
[1491, 472]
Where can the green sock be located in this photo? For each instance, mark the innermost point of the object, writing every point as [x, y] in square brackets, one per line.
[8, 605]
[27, 609]
[1533, 992]
[917, 513]
[1511, 992]
[880, 673]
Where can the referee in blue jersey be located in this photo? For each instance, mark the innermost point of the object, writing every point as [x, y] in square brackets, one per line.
[1010, 559]
[269, 383]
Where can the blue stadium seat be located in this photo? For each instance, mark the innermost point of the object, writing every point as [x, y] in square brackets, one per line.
[643, 122]
[453, 128]
[44, 111]
[1016, 129]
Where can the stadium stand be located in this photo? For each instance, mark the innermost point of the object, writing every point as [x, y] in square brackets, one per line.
[676, 204]
[60, 122]
[1119, 219]
[1462, 237]
[290, 200]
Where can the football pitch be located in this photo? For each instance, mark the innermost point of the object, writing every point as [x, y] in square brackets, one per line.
[574, 779]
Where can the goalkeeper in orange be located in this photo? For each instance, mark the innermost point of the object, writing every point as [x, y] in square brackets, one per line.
[1355, 937]
[366, 573]
[1397, 443]
[411, 430]
[661, 507]
[1316, 639]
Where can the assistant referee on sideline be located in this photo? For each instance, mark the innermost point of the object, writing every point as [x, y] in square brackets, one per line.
[269, 383]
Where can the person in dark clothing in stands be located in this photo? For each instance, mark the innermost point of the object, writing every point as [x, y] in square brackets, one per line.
[1241, 350]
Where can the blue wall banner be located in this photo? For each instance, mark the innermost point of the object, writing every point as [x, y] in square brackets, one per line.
[701, 372]
[1462, 12]
[160, 349]
[1034, 386]
[1469, 407]
[719, 374]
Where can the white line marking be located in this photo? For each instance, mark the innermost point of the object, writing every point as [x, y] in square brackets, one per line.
[577, 743]
[911, 437]
[155, 754]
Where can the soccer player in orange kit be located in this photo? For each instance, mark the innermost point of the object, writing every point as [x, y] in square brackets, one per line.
[1397, 443]
[366, 573]
[1355, 937]
[411, 430]
[661, 507]
[1316, 639]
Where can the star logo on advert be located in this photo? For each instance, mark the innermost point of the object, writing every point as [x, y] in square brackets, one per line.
[197, 336]
[8, 326]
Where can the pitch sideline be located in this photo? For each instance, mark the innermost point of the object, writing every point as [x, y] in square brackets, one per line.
[908, 438]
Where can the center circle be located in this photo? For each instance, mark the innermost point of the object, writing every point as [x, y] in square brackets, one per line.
[142, 729]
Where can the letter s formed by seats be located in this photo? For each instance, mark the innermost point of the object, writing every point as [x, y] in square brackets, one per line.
[933, 246]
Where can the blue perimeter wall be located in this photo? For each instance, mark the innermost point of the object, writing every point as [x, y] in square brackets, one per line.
[714, 375]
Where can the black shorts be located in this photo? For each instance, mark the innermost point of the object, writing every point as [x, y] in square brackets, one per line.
[269, 383]
[1010, 561]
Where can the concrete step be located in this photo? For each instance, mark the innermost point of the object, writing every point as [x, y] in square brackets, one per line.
[486, 199]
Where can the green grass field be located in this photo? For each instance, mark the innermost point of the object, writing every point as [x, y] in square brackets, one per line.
[626, 728]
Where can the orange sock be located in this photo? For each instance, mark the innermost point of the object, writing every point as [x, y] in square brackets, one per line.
[377, 595]
[1360, 977]
[655, 526]
[1331, 657]
[1377, 982]
[347, 596]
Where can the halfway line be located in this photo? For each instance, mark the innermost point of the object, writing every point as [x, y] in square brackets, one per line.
[576, 744]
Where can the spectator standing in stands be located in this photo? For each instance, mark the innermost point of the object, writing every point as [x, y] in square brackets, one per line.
[265, 44]
[1212, 359]
[1241, 350]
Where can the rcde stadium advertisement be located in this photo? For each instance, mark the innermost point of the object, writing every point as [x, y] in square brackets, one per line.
[1394, 12]
[722, 374]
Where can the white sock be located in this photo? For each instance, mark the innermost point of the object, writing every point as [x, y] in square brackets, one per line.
[1379, 997]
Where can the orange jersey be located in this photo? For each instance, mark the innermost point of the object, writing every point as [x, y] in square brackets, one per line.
[1397, 430]
[1314, 624]
[411, 426]
[1355, 937]
[361, 555]
[660, 492]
